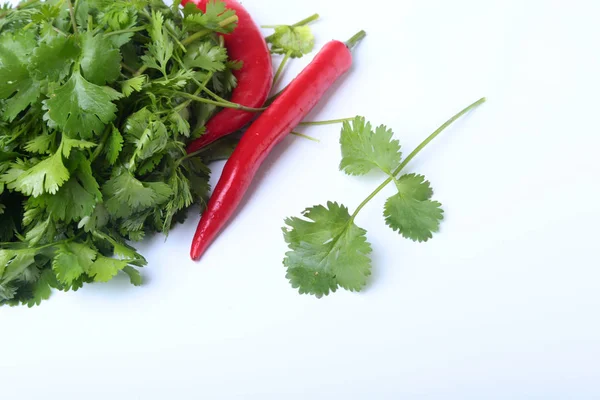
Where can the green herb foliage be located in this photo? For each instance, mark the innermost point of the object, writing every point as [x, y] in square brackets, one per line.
[327, 250]
[93, 134]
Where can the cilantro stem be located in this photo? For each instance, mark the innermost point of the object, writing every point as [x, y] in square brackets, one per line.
[128, 68]
[73, 21]
[218, 103]
[281, 67]
[132, 30]
[201, 33]
[302, 135]
[415, 152]
[329, 122]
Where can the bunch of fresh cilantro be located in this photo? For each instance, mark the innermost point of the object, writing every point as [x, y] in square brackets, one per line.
[95, 115]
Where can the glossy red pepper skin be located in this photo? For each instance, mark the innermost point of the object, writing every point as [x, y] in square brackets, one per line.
[255, 78]
[274, 124]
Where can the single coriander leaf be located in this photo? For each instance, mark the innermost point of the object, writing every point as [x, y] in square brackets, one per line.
[17, 88]
[78, 197]
[42, 288]
[100, 60]
[41, 143]
[69, 144]
[96, 220]
[72, 260]
[414, 186]
[298, 41]
[410, 212]
[216, 12]
[153, 140]
[133, 85]
[114, 146]
[206, 56]
[47, 176]
[52, 60]
[81, 108]
[134, 275]
[105, 268]
[327, 250]
[364, 150]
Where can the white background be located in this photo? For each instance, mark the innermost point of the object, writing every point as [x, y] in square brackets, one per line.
[502, 304]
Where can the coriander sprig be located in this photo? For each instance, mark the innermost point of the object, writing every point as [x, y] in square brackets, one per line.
[327, 249]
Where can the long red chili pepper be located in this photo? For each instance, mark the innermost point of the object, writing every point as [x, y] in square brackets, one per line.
[255, 78]
[286, 112]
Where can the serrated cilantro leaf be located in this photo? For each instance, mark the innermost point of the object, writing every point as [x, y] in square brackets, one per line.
[410, 212]
[41, 144]
[52, 60]
[114, 146]
[134, 275]
[17, 88]
[363, 150]
[69, 144]
[47, 176]
[41, 289]
[124, 194]
[296, 40]
[133, 85]
[81, 108]
[72, 260]
[105, 268]
[327, 250]
[206, 56]
[160, 50]
[100, 60]
[216, 13]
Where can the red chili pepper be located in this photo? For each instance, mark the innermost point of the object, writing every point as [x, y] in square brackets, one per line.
[280, 118]
[255, 78]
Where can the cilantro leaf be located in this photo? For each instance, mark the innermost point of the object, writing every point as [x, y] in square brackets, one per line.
[161, 48]
[41, 144]
[100, 61]
[125, 194]
[327, 250]
[81, 108]
[52, 60]
[410, 212]
[72, 260]
[296, 40]
[105, 268]
[42, 288]
[364, 150]
[216, 13]
[114, 146]
[206, 56]
[47, 176]
[134, 275]
[133, 85]
[17, 87]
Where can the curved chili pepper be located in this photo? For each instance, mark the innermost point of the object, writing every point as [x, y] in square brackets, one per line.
[255, 78]
[280, 118]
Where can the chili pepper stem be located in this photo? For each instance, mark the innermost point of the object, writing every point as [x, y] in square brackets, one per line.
[354, 40]
[415, 152]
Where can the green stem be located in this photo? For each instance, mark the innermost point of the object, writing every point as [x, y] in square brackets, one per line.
[100, 147]
[128, 68]
[281, 67]
[218, 103]
[329, 122]
[414, 154]
[140, 71]
[305, 21]
[354, 40]
[201, 33]
[132, 30]
[72, 13]
[302, 135]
